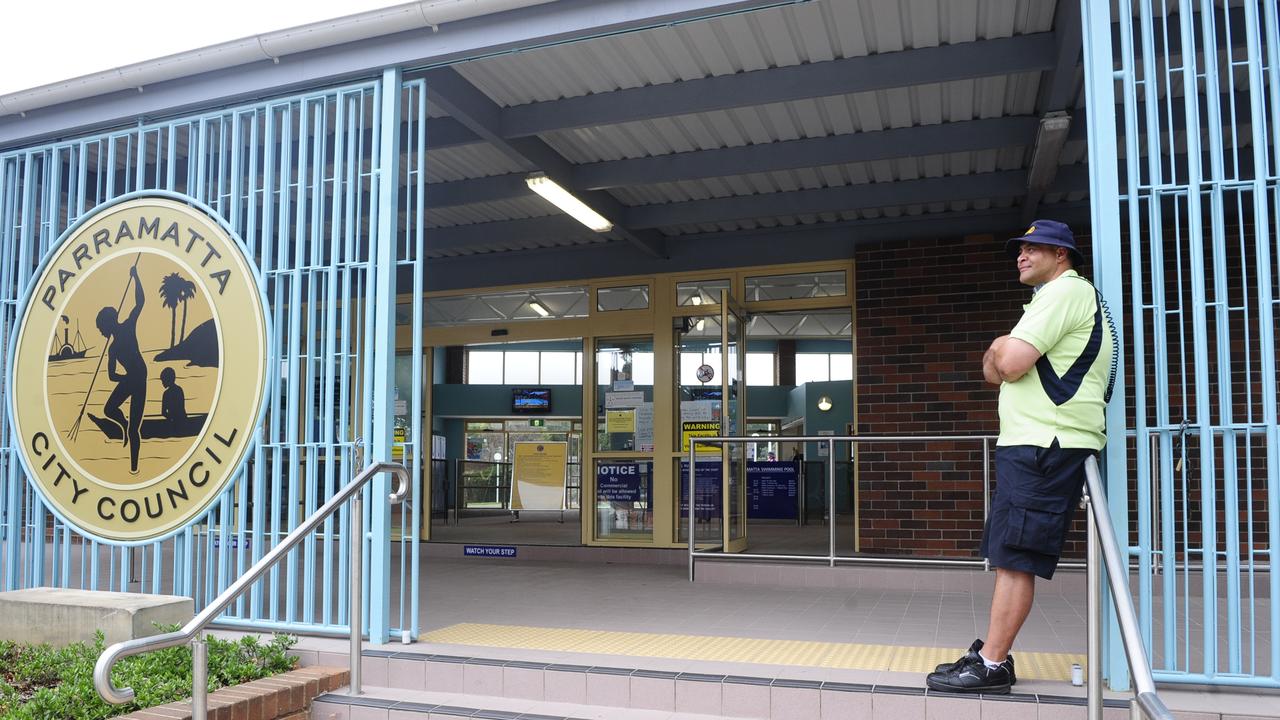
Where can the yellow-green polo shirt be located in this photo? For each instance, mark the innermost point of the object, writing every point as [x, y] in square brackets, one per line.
[1059, 322]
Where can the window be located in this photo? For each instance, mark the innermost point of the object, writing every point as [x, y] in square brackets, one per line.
[525, 367]
[700, 292]
[641, 370]
[691, 361]
[560, 368]
[795, 286]
[539, 304]
[484, 368]
[630, 297]
[520, 368]
[823, 367]
[761, 369]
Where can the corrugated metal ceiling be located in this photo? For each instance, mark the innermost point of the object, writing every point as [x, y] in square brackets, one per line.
[807, 33]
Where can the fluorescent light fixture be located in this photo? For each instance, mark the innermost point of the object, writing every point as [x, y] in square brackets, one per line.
[536, 306]
[561, 198]
[824, 403]
[700, 324]
[1050, 137]
[696, 299]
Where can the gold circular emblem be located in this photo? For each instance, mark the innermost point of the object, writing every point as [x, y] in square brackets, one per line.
[139, 369]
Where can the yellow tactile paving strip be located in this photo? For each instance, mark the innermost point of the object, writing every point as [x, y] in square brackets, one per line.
[847, 656]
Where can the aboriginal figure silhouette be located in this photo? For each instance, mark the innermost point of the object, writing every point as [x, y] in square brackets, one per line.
[126, 368]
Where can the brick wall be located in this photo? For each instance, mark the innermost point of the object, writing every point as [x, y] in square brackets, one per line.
[286, 696]
[926, 312]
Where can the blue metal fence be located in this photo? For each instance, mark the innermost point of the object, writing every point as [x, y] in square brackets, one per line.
[304, 181]
[1188, 228]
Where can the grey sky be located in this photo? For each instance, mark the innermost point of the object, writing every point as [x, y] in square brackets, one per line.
[51, 40]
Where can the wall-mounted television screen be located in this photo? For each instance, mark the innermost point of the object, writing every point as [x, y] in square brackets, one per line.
[530, 400]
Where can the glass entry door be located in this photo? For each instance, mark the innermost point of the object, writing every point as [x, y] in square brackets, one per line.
[733, 465]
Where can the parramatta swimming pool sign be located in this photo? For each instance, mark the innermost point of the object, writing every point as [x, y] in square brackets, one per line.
[138, 368]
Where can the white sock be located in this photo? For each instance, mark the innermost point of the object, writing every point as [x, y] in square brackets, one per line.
[987, 661]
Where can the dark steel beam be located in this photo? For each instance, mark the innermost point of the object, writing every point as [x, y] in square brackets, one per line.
[811, 152]
[824, 241]
[1058, 86]
[446, 132]
[1057, 95]
[971, 135]
[963, 61]
[1010, 183]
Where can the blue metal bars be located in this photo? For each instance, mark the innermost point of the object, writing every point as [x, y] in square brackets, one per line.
[300, 180]
[1197, 199]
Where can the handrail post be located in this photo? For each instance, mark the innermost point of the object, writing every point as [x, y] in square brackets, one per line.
[199, 679]
[356, 612]
[457, 487]
[986, 494]
[693, 487]
[831, 503]
[1093, 574]
[1115, 564]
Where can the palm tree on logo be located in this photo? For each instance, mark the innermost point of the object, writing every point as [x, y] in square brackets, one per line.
[175, 289]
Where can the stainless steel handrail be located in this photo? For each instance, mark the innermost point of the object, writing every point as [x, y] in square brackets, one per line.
[191, 631]
[1102, 540]
[830, 441]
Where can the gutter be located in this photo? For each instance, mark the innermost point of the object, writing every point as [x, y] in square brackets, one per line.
[421, 15]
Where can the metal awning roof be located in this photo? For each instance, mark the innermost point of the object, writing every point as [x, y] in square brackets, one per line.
[858, 119]
[710, 132]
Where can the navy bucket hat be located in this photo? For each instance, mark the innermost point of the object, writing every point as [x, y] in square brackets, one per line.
[1046, 232]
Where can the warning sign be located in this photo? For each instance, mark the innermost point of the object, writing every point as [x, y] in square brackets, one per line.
[699, 429]
[399, 435]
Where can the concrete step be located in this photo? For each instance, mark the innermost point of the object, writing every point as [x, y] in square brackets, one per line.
[403, 686]
[381, 703]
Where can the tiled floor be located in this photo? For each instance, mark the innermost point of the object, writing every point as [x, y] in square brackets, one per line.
[660, 599]
[631, 598]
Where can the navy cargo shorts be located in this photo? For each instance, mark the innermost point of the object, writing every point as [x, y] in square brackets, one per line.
[1037, 491]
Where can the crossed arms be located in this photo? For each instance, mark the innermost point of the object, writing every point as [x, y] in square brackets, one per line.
[1008, 359]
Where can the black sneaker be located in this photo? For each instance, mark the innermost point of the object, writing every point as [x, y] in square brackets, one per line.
[973, 676]
[973, 651]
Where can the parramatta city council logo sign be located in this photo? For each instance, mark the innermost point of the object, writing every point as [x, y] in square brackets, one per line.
[138, 368]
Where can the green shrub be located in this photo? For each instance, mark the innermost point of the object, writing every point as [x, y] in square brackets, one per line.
[38, 682]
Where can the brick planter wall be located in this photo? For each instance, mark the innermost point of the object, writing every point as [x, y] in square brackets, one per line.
[286, 696]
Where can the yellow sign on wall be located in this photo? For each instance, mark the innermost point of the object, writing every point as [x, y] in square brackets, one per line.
[620, 421]
[709, 428]
[537, 475]
[139, 369]
[399, 435]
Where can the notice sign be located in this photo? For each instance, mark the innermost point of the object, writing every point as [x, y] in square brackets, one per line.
[644, 427]
[506, 551]
[708, 492]
[699, 429]
[771, 489]
[620, 421]
[537, 475]
[620, 482]
[616, 399]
